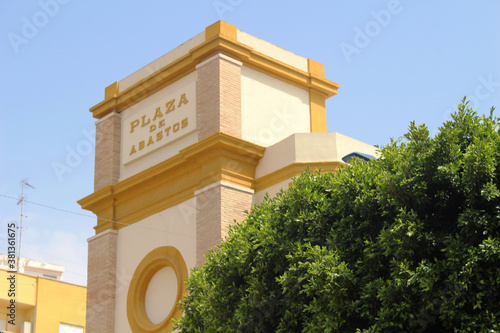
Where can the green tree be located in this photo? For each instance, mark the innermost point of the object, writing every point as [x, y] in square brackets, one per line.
[408, 242]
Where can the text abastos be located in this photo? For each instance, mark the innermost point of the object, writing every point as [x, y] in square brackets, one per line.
[160, 126]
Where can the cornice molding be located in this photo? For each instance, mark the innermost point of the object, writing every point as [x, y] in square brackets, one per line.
[118, 101]
[293, 170]
[219, 157]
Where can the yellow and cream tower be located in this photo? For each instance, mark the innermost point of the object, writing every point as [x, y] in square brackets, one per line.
[183, 147]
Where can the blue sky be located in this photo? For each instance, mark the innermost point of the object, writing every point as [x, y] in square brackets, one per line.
[396, 61]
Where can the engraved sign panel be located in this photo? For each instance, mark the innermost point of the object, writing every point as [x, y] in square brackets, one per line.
[171, 117]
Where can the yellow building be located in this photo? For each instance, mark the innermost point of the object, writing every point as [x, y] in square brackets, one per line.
[183, 147]
[41, 305]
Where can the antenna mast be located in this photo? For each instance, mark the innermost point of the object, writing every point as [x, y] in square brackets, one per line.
[21, 201]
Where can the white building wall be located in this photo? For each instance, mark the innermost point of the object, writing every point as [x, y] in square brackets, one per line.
[304, 148]
[271, 109]
[161, 62]
[175, 226]
[273, 51]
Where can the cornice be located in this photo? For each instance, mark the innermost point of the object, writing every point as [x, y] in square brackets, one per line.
[219, 157]
[118, 101]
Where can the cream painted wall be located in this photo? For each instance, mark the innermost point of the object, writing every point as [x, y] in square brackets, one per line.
[161, 62]
[257, 44]
[273, 51]
[310, 147]
[271, 109]
[277, 156]
[175, 226]
[346, 145]
[167, 146]
[305, 147]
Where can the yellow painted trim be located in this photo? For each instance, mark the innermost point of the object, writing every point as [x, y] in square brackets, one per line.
[111, 91]
[293, 170]
[222, 40]
[317, 107]
[316, 68]
[219, 157]
[221, 28]
[155, 260]
[317, 111]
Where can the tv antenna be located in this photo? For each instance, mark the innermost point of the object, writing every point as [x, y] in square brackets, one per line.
[21, 201]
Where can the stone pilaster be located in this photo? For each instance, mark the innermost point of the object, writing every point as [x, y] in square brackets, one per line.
[107, 151]
[101, 282]
[218, 91]
[217, 207]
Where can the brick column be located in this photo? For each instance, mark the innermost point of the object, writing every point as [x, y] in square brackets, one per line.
[218, 94]
[217, 206]
[101, 282]
[235, 200]
[107, 151]
[208, 231]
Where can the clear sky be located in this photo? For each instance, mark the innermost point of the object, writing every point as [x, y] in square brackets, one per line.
[395, 61]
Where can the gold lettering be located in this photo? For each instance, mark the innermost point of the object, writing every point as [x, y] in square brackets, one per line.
[150, 141]
[152, 128]
[132, 150]
[143, 123]
[170, 106]
[176, 127]
[134, 124]
[167, 129]
[141, 145]
[158, 114]
[159, 136]
[184, 122]
[161, 123]
[183, 100]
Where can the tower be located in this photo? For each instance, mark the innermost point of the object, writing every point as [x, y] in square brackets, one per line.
[183, 147]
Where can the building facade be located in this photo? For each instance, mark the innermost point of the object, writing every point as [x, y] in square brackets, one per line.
[34, 268]
[40, 304]
[183, 147]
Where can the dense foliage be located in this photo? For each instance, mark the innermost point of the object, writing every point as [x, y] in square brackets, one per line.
[409, 242]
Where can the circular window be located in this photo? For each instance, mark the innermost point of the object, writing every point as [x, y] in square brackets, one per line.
[155, 262]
